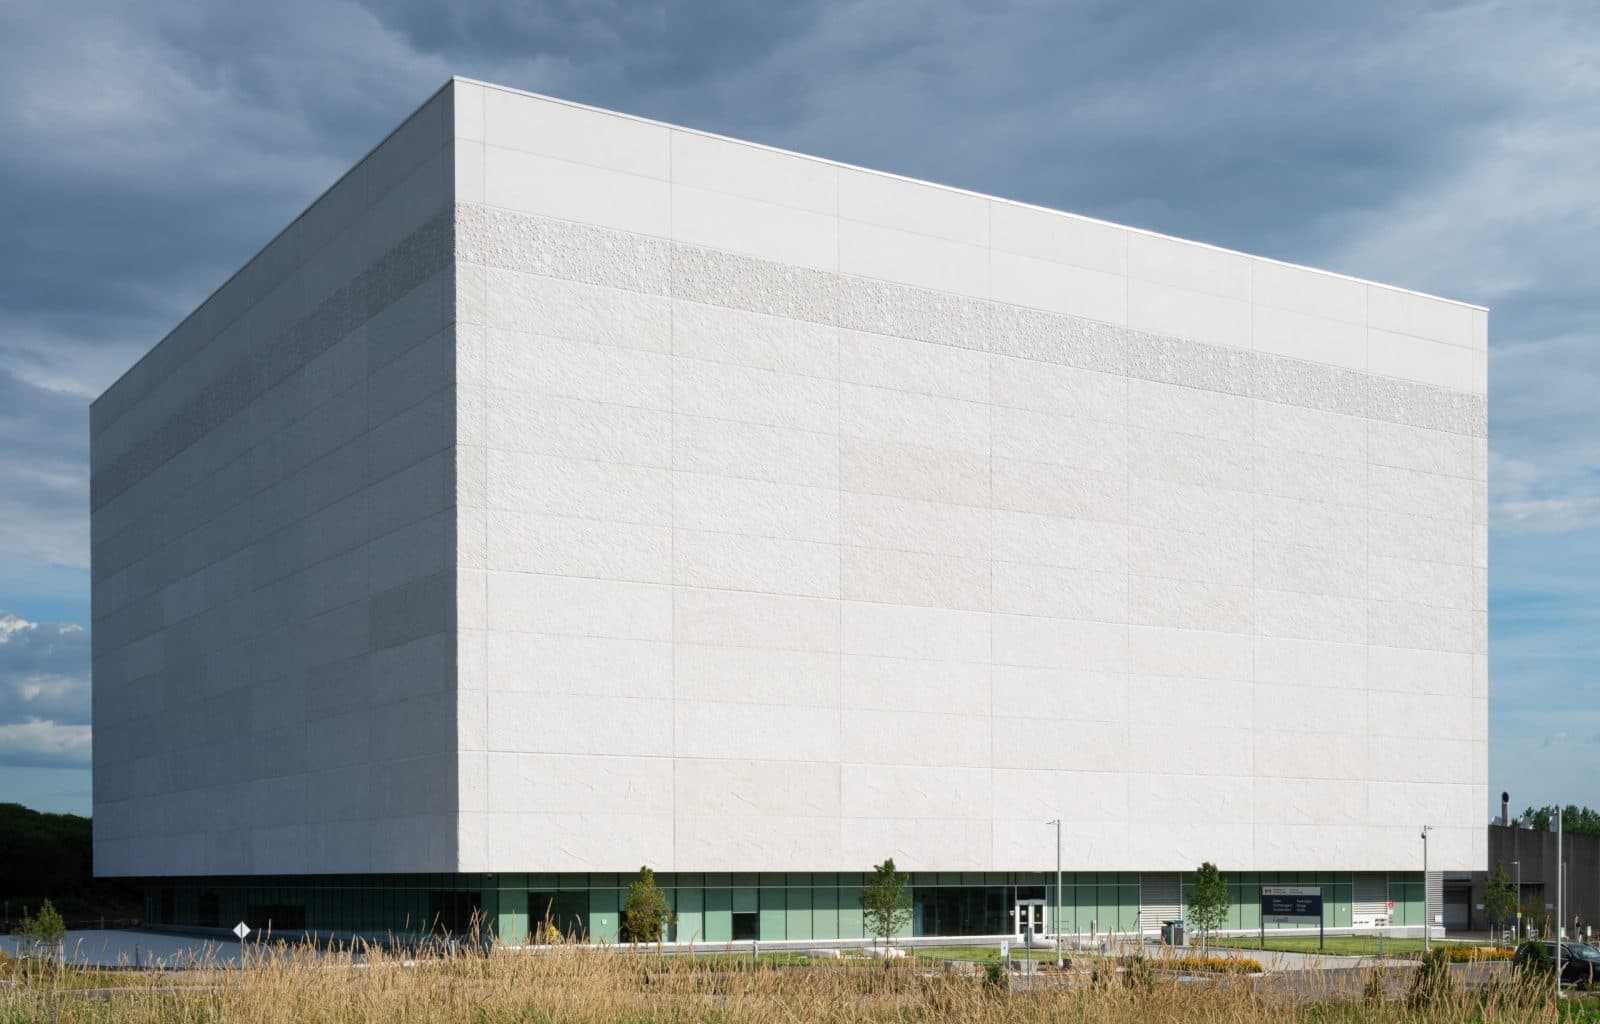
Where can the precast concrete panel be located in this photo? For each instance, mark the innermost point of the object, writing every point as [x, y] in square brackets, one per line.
[274, 550]
[736, 510]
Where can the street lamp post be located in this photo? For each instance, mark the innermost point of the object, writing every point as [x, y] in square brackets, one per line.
[1560, 905]
[1427, 926]
[1518, 865]
[1056, 913]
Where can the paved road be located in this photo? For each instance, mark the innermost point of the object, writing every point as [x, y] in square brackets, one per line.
[123, 948]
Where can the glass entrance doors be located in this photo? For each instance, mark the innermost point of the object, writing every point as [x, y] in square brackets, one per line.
[1029, 919]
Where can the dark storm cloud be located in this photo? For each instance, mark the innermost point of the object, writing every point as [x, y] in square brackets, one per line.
[44, 455]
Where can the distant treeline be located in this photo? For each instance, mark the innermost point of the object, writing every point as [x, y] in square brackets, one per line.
[1575, 820]
[51, 856]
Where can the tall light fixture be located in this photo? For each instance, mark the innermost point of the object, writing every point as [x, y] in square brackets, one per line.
[1560, 899]
[1427, 925]
[1056, 913]
[1518, 865]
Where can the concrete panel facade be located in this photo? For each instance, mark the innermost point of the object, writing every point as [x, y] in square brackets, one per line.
[273, 494]
[794, 516]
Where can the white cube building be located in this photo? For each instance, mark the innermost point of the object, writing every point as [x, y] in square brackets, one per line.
[564, 492]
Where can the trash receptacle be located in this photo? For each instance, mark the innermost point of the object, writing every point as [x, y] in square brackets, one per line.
[1172, 933]
[1177, 933]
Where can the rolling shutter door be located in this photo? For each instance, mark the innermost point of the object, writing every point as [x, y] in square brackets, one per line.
[1371, 901]
[1160, 899]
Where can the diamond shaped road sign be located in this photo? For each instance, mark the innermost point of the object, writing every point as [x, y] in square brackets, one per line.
[241, 929]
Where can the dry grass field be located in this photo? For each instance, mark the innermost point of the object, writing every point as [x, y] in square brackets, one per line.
[588, 985]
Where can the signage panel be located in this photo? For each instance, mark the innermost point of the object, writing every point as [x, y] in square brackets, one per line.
[1291, 904]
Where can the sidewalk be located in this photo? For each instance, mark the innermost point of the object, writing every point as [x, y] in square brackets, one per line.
[1279, 961]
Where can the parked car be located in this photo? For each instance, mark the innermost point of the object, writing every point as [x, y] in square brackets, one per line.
[1580, 962]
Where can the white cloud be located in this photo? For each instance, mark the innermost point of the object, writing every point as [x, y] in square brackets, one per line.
[44, 693]
[1548, 495]
[42, 744]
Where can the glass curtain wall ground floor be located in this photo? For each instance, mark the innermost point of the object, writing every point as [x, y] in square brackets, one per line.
[720, 908]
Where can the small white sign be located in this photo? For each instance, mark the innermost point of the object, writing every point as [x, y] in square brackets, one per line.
[241, 929]
[1005, 948]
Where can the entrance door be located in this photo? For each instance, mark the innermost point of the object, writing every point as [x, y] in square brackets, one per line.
[1030, 920]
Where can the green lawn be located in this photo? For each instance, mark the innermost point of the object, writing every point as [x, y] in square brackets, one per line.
[1336, 945]
[980, 954]
[783, 958]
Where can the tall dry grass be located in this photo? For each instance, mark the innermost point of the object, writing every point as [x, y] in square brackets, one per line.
[590, 985]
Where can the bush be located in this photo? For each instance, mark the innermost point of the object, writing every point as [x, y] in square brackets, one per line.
[1210, 965]
[1474, 954]
[45, 928]
[1137, 973]
[646, 912]
[1375, 992]
[1432, 983]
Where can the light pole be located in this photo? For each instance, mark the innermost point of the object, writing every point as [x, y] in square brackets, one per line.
[1056, 913]
[1427, 926]
[1518, 865]
[1560, 905]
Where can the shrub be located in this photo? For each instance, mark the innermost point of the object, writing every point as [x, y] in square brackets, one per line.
[1538, 962]
[1210, 965]
[646, 912]
[1474, 954]
[45, 927]
[1137, 973]
[1375, 992]
[1432, 983]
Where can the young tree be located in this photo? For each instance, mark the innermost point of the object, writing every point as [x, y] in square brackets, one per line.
[645, 911]
[886, 901]
[44, 929]
[1500, 898]
[1208, 901]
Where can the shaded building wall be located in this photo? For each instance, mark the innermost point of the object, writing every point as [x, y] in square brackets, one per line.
[273, 547]
[1537, 853]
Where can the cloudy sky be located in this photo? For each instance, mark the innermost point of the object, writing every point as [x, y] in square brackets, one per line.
[1453, 148]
